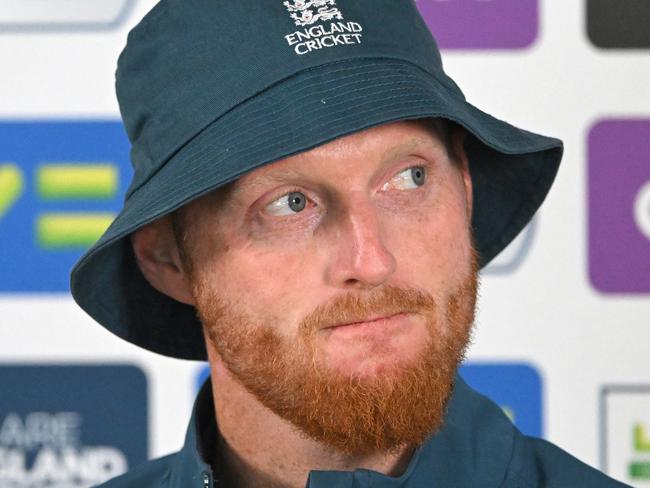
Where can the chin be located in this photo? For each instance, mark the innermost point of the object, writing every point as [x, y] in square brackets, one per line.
[377, 364]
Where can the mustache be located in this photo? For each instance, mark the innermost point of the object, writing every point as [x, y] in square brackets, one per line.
[386, 301]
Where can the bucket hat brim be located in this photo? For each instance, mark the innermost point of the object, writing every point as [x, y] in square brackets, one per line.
[512, 171]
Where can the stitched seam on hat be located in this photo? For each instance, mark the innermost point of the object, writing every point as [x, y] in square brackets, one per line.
[305, 86]
[247, 123]
[273, 123]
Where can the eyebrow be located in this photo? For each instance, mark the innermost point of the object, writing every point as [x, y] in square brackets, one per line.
[399, 150]
[264, 180]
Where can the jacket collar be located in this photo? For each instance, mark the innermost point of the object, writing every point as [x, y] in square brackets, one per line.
[472, 448]
[189, 468]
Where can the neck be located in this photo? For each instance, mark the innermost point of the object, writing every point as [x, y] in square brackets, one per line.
[257, 448]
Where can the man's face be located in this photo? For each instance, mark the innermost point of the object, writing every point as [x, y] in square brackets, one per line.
[338, 285]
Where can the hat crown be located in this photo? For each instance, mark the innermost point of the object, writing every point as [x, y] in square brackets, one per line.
[189, 62]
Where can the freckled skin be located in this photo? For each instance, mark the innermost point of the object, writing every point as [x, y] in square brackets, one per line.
[353, 234]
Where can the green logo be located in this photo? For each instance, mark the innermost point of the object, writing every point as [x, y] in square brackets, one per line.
[60, 182]
[641, 441]
[641, 438]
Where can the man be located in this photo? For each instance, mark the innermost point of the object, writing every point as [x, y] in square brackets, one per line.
[312, 201]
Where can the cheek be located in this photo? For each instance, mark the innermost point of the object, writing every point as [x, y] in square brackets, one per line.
[432, 242]
[270, 284]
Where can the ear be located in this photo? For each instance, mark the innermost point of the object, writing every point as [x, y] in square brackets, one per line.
[458, 144]
[159, 260]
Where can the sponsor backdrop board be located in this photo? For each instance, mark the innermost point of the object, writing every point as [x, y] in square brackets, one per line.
[63, 425]
[564, 313]
[625, 431]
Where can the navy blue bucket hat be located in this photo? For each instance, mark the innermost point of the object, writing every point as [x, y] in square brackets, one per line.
[210, 90]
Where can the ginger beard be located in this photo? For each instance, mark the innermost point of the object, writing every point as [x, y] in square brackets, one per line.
[356, 415]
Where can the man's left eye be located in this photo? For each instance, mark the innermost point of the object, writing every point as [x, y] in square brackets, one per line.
[409, 178]
[289, 204]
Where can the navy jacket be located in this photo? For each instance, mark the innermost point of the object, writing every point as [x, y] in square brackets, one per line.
[477, 446]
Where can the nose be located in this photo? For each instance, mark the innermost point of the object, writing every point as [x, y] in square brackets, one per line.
[360, 258]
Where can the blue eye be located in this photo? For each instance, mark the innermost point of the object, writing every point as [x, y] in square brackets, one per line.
[288, 204]
[297, 201]
[418, 174]
[408, 179]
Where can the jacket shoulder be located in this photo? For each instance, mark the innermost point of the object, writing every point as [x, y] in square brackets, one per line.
[539, 463]
[154, 473]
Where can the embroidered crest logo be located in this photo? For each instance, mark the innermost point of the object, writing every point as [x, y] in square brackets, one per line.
[306, 13]
[302, 11]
